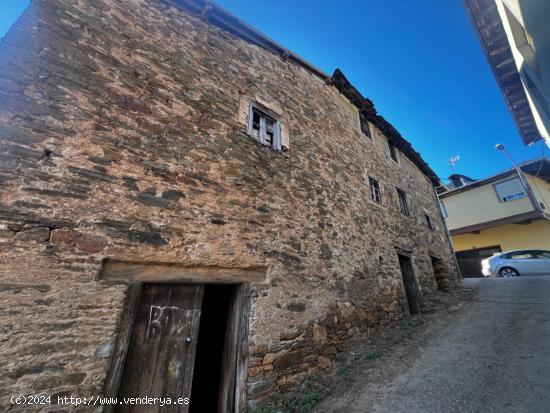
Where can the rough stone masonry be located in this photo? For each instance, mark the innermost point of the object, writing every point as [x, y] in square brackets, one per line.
[123, 135]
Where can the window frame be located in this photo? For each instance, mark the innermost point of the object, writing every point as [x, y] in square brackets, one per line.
[372, 193]
[402, 200]
[393, 150]
[365, 126]
[500, 198]
[429, 221]
[264, 114]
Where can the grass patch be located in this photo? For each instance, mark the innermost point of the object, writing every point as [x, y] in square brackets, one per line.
[371, 355]
[345, 372]
[301, 401]
[408, 323]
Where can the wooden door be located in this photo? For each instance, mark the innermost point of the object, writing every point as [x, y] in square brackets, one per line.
[232, 397]
[161, 353]
[412, 291]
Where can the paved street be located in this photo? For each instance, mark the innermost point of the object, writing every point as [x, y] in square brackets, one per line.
[491, 356]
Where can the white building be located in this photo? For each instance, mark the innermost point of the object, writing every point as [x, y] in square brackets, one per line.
[515, 35]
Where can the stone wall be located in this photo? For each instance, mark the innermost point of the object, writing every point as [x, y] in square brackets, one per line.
[122, 136]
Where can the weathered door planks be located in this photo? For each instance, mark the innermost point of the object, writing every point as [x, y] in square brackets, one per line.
[232, 397]
[226, 400]
[161, 352]
[241, 369]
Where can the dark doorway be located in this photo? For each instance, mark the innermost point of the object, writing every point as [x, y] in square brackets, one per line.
[183, 342]
[210, 348]
[439, 273]
[411, 285]
[469, 261]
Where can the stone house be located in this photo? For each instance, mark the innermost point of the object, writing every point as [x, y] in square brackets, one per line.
[181, 195]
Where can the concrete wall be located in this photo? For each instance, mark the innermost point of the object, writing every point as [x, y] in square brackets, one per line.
[481, 204]
[509, 237]
[541, 190]
[532, 57]
[122, 137]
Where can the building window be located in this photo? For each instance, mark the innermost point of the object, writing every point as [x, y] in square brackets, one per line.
[375, 193]
[429, 221]
[403, 202]
[264, 128]
[365, 126]
[393, 152]
[510, 190]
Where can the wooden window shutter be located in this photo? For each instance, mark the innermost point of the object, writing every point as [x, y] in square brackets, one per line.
[277, 137]
[262, 130]
[235, 359]
[285, 140]
[250, 120]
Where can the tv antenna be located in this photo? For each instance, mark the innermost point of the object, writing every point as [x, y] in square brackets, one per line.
[452, 162]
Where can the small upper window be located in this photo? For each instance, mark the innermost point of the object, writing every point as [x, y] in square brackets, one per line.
[510, 190]
[375, 193]
[365, 126]
[264, 128]
[429, 221]
[403, 202]
[393, 152]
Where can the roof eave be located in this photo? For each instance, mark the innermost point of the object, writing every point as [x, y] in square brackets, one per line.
[224, 19]
[492, 36]
[537, 167]
[227, 21]
[367, 109]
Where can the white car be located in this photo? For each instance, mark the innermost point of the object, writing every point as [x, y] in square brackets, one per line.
[516, 263]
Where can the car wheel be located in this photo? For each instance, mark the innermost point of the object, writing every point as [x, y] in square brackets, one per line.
[508, 272]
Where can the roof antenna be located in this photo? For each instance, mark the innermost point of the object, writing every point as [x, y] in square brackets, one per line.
[452, 162]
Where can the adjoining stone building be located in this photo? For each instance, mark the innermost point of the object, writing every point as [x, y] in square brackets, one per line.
[180, 193]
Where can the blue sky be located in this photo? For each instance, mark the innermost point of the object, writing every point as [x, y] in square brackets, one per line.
[418, 60]
[10, 10]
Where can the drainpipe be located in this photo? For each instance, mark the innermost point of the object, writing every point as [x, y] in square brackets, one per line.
[524, 183]
[447, 233]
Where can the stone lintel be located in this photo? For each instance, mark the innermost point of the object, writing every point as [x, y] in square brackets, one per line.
[124, 272]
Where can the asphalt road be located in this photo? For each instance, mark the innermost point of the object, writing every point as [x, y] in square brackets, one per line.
[491, 356]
